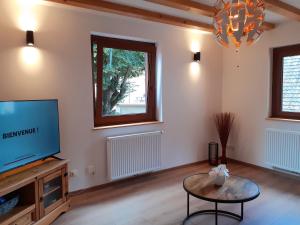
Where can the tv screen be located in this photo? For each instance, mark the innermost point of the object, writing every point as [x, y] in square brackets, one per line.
[29, 132]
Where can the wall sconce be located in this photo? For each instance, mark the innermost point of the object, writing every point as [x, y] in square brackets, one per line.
[29, 38]
[197, 56]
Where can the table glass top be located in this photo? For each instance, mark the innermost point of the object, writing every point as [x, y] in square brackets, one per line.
[235, 189]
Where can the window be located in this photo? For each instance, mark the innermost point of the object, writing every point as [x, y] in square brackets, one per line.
[286, 82]
[124, 81]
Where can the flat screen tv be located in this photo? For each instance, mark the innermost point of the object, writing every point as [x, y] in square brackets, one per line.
[29, 132]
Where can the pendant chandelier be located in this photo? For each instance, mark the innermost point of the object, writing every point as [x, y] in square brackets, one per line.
[238, 21]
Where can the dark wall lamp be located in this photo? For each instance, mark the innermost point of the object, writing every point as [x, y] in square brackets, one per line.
[197, 56]
[29, 38]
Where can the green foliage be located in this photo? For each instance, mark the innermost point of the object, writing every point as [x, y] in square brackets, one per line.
[118, 67]
[94, 62]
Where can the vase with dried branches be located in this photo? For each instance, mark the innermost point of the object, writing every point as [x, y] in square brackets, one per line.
[224, 122]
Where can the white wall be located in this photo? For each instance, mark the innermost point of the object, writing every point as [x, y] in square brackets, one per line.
[60, 67]
[246, 92]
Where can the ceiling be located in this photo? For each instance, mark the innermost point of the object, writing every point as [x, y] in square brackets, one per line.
[295, 3]
[270, 16]
[195, 14]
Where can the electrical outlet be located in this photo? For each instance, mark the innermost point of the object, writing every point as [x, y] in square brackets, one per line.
[91, 170]
[73, 173]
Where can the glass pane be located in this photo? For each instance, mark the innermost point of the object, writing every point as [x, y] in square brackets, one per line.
[52, 197]
[291, 84]
[125, 79]
[94, 67]
[52, 184]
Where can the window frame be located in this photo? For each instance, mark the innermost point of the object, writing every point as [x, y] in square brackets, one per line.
[150, 49]
[277, 81]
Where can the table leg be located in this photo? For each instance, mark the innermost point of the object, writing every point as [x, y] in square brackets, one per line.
[216, 208]
[188, 204]
[242, 211]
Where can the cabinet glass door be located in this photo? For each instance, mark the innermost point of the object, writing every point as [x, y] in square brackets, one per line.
[52, 192]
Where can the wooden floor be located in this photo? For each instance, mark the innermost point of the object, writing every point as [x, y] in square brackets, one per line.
[160, 200]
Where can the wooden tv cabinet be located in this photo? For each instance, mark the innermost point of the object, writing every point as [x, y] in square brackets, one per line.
[42, 190]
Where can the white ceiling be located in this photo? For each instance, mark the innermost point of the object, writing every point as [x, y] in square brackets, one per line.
[163, 9]
[295, 3]
[270, 16]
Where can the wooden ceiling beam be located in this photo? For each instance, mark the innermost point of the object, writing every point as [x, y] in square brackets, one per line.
[130, 11]
[268, 26]
[187, 5]
[283, 9]
[198, 8]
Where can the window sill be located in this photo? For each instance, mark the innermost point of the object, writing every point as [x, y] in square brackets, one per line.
[128, 125]
[282, 119]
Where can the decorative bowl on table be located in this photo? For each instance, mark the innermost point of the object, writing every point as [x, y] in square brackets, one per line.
[8, 205]
[219, 180]
[219, 174]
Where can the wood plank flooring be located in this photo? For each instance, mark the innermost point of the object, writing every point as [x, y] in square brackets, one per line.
[159, 199]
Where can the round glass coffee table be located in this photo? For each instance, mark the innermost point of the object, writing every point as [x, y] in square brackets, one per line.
[235, 190]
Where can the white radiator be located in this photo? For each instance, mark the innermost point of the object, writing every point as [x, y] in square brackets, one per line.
[133, 154]
[283, 149]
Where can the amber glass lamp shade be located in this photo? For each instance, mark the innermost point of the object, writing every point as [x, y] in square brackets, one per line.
[238, 21]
